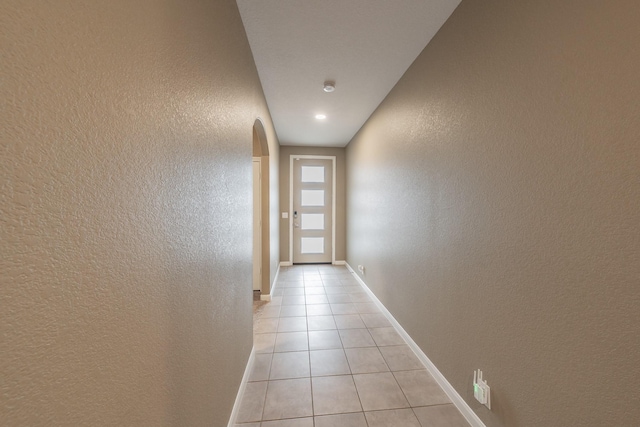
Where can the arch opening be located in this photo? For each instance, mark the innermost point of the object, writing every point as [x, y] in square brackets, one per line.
[262, 257]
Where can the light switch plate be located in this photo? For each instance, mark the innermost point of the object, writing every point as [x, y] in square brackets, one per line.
[285, 215]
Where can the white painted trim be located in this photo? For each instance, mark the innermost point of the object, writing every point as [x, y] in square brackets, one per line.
[265, 297]
[243, 387]
[291, 210]
[333, 203]
[274, 284]
[285, 264]
[456, 399]
[257, 256]
[339, 263]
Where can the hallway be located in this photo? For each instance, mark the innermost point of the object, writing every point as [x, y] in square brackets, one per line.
[326, 356]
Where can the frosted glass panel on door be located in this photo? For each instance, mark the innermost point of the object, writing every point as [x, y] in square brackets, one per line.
[312, 173]
[312, 198]
[312, 245]
[313, 221]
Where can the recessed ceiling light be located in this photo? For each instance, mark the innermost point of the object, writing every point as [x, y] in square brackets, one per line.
[329, 87]
[321, 116]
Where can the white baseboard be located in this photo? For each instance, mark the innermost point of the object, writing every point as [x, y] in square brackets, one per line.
[339, 262]
[286, 264]
[243, 386]
[267, 297]
[456, 399]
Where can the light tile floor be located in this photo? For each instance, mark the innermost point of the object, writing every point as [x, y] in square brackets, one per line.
[327, 357]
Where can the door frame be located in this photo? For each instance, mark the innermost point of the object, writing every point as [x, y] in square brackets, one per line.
[257, 234]
[333, 202]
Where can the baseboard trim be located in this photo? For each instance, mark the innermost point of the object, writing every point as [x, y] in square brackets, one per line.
[243, 385]
[456, 399]
[339, 262]
[267, 297]
[286, 263]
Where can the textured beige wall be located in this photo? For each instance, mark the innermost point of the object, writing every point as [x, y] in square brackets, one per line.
[285, 153]
[493, 199]
[125, 254]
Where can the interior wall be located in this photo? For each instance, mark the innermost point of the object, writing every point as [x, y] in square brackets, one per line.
[126, 132]
[493, 200]
[341, 215]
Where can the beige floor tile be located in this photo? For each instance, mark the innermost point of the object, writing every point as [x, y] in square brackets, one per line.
[324, 340]
[346, 308]
[294, 422]
[339, 298]
[248, 425]
[313, 283]
[366, 360]
[331, 282]
[276, 301]
[292, 284]
[349, 321]
[252, 402]
[264, 326]
[293, 299]
[261, 367]
[401, 358]
[356, 419]
[290, 365]
[288, 399]
[353, 288]
[420, 388]
[386, 336]
[270, 311]
[291, 341]
[366, 307]
[360, 297]
[293, 311]
[292, 324]
[314, 291]
[293, 291]
[320, 323]
[335, 290]
[379, 391]
[349, 281]
[317, 299]
[264, 343]
[392, 418]
[354, 338]
[375, 320]
[319, 310]
[335, 395]
[329, 362]
[440, 416]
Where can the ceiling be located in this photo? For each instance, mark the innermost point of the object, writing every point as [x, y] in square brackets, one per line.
[364, 46]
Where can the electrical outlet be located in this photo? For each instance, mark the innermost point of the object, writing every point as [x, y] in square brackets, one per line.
[361, 269]
[481, 390]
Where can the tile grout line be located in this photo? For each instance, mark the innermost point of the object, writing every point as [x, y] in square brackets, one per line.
[306, 319]
[340, 338]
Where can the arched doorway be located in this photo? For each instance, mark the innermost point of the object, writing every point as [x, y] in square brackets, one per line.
[261, 236]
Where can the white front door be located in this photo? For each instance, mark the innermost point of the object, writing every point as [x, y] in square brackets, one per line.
[312, 210]
[257, 231]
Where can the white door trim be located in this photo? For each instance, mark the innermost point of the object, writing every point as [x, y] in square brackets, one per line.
[333, 202]
[257, 234]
